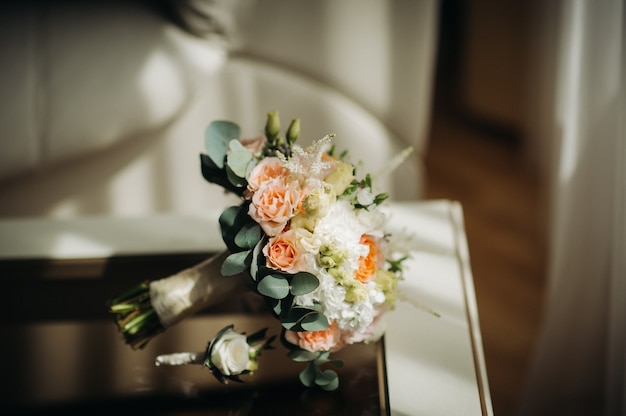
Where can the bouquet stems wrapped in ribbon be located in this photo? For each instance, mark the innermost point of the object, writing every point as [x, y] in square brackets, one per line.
[308, 236]
[151, 307]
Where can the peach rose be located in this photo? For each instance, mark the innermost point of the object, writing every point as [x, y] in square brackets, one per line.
[326, 340]
[368, 264]
[282, 253]
[273, 205]
[267, 169]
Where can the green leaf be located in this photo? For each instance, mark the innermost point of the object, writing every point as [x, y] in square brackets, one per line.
[302, 318]
[302, 355]
[314, 321]
[282, 307]
[327, 380]
[274, 286]
[234, 179]
[337, 363]
[231, 221]
[257, 336]
[236, 263]
[303, 283]
[239, 158]
[274, 304]
[216, 175]
[264, 270]
[217, 138]
[258, 259]
[229, 216]
[248, 236]
[308, 375]
[290, 320]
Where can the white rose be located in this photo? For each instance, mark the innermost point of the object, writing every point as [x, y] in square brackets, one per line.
[374, 221]
[365, 197]
[230, 354]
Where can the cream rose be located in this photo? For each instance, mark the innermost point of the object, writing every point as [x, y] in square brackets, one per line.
[341, 177]
[318, 201]
[274, 204]
[231, 353]
[283, 253]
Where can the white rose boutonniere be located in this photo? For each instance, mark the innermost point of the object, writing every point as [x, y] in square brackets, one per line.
[228, 355]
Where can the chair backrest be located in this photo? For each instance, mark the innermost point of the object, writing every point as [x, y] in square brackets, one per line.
[106, 103]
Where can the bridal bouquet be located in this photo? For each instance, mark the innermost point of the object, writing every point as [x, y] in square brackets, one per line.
[308, 236]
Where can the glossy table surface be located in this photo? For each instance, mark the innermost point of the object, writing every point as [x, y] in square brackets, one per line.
[62, 352]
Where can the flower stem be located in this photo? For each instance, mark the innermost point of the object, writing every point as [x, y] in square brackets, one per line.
[135, 317]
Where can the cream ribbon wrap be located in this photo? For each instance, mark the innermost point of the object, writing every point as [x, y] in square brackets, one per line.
[193, 289]
[180, 358]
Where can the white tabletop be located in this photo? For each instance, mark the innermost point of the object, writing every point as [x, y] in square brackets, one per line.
[435, 364]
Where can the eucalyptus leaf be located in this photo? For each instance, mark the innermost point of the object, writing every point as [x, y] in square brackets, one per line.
[291, 320]
[217, 138]
[314, 321]
[300, 355]
[337, 363]
[327, 380]
[308, 375]
[303, 283]
[239, 158]
[264, 270]
[216, 175]
[228, 223]
[258, 258]
[274, 304]
[325, 377]
[285, 307]
[273, 286]
[229, 216]
[248, 236]
[331, 386]
[231, 221]
[234, 179]
[236, 263]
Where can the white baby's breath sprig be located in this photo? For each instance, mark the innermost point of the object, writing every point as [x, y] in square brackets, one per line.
[309, 162]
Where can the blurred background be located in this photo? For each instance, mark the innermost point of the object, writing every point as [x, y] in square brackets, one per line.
[479, 154]
[513, 108]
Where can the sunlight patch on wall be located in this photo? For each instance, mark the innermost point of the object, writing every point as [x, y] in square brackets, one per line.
[162, 85]
[569, 100]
